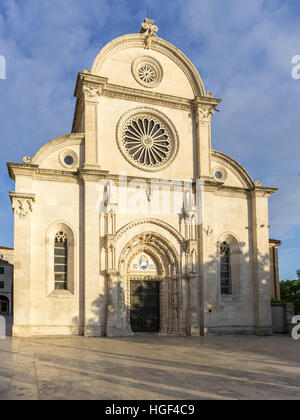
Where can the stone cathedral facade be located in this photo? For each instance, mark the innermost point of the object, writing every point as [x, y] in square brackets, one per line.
[133, 223]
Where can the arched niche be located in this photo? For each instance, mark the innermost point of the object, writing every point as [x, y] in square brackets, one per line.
[51, 233]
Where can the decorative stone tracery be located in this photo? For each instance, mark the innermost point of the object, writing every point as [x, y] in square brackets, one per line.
[147, 71]
[147, 139]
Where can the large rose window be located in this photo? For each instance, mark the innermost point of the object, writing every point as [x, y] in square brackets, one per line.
[147, 141]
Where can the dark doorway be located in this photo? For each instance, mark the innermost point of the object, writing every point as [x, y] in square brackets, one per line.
[144, 306]
[4, 305]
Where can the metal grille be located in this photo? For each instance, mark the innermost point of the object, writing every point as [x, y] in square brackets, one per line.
[144, 306]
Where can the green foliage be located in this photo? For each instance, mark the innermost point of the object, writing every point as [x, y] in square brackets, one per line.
[290, 293]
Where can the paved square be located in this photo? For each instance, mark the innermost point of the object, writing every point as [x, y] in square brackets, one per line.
[150, 367]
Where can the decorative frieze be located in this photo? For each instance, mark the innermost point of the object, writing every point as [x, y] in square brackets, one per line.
[22, 203]
[90, 92]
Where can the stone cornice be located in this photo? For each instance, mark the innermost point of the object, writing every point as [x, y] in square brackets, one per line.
[21, 169]
[22, 195]
[263, 191]
[97, 174]
[92, 174]
[100, 86]
[54, 175]
[207, 101]
[137, 95]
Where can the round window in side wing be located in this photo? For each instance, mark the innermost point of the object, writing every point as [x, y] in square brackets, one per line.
[68, 159]
[220, 174]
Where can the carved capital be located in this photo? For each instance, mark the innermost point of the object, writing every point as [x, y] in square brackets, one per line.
[190, 214]
[22, 203]
[191, 247]
[204, 113]
[110, 242]
[90, 93]
[205, 107]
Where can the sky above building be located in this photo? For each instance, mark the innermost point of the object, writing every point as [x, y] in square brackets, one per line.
[243, 51]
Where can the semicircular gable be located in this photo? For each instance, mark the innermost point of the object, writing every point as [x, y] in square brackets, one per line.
[158, 45]
[238, 170]
[56, 144]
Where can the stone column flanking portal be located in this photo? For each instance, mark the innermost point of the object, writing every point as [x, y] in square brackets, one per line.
[117, 323]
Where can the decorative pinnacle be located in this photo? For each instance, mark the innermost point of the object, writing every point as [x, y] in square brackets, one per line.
[148, 26]
[149, 30]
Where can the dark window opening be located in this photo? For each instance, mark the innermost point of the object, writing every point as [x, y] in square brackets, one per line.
[225, 269]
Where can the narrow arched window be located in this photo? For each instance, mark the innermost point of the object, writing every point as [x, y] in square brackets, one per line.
[61, 261]
[225, 268]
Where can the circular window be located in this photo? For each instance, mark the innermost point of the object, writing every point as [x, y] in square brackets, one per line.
[147, 71]
[220, 174]
[68, 159]
[147, 141]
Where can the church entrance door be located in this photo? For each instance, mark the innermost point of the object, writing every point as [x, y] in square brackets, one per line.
[144, 306]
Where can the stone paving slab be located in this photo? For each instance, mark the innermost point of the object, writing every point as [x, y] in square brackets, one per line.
[148, 367]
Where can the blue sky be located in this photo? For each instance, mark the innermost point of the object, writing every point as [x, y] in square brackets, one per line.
[243, 51]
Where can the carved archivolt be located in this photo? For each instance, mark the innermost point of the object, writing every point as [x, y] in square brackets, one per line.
[156, 222]
[157, 247]
[168, 273]
[22, 203]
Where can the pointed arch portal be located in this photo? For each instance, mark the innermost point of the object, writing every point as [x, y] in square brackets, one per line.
[149, 267]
